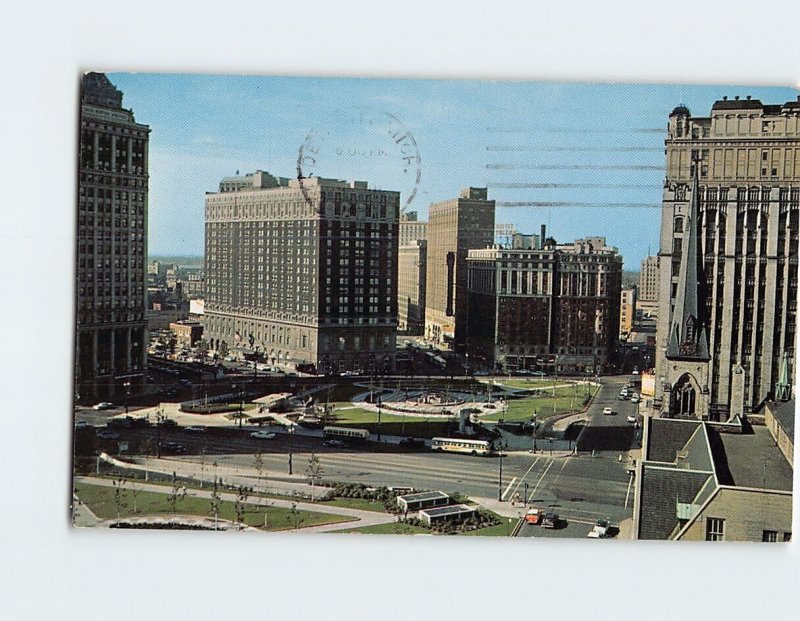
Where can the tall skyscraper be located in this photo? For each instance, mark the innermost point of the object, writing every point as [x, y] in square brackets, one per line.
[110, 346]
[303, 271]
[455, 227]
[728, 257]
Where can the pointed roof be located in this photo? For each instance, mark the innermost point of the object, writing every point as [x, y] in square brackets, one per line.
[687, 334]
[783, 389]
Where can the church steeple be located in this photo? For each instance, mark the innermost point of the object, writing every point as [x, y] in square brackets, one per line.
[687, 335]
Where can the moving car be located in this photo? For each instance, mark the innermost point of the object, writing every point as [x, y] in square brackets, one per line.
[631, 418]
[550, 520]
[168, 422]
[105, 434]
[82, 424]
[333, 442]
[600, 530]
[103, 405]
[534, 516]
[263, 435]
[196, 428]
[635, 398]
[608, 412]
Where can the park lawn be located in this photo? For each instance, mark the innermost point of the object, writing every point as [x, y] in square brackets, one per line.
[100, 500]
[392, 424]
[567, 399]
[392, 528]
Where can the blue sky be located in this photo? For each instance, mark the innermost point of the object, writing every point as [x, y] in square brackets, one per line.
[583, 158]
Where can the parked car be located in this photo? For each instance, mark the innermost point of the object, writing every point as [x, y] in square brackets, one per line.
[103, 405]
[635, 398]
[106, 434]
[82, 424]
[333, 442]
[121, 422]
[173, 447]
[608, 412]
[263, 435]
[600, 530]
[197, 428]
[168, 422]
[550, 520]
[631, 418]
[534, 516]
[412, 443]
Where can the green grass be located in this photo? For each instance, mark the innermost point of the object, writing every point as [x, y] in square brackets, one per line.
[566, 399]
[392, 528]
[541, 384]
[391, 423]
[100, 500]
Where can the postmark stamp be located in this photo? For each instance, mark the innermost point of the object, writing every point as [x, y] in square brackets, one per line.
[363, 138]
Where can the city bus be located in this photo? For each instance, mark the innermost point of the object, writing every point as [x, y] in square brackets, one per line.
[460, 445]
[346, 433]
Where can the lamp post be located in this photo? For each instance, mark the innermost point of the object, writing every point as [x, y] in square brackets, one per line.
[500, 478]
[159, 419]
[127, 386]
[291, 446]
[533, 434]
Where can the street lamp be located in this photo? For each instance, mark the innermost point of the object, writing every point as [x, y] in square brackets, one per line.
[159, 418]
[291, 446]
[127, 386]
[534, 433]
[500, 478]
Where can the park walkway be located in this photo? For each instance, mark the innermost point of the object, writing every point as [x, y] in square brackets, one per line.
[358, 517]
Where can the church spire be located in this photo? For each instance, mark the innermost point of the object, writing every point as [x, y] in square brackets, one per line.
[687, 334]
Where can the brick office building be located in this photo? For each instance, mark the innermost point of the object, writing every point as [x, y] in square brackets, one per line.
[553, 308]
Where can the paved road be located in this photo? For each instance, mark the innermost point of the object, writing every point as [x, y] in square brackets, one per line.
[611, 433]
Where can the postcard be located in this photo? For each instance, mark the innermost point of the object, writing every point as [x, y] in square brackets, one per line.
[435, 307]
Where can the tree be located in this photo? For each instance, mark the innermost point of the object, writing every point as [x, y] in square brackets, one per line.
[178, 493]
[313, 472]
[293, 517]
[223, 349]
[240, 505]
[258, 462]
[119, 491]
[202, 346]
[216, 501]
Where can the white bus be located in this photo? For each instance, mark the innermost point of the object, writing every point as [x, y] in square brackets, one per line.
[459, 445]
[345, 433]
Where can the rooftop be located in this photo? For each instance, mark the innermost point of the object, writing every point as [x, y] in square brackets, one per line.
[784, 412]
[751, 460]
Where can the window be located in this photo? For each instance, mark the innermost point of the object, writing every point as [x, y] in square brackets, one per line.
[715, 529]
[769, 536]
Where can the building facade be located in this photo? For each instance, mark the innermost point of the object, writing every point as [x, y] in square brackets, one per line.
[111, 270]
[627, 312]
[303, 271]
[647, 296]
[412, 229]
[411, 274]
[728, 257]
[554, 308]
[455, 227]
